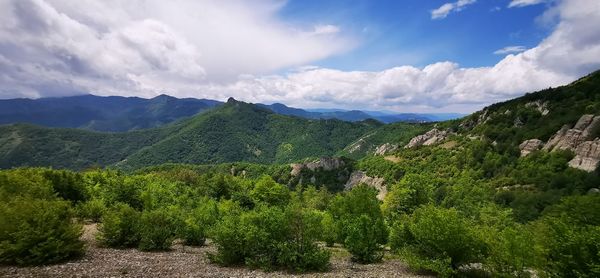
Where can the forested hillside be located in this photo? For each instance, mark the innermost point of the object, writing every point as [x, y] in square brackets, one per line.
[235, 131]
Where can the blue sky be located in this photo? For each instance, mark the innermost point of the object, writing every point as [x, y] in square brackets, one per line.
[400, 32]
[403, 55]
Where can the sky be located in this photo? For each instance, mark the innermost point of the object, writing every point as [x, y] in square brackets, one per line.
[393, 55]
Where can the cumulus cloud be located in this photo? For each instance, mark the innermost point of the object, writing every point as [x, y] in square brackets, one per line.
[51, 48]
[444, 10]
[145, 47]
[523, 3]
[510, 49]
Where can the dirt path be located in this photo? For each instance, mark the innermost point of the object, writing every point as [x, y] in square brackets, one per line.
[186, 262]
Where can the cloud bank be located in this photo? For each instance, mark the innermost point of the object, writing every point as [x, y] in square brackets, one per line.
[200, 49]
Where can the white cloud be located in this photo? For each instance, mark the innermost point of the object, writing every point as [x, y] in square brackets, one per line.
[53, 48]
[523, 3]
[444, 10]
[144, 47]
[510, 49]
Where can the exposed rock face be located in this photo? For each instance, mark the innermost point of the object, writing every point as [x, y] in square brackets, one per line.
[530, 145]
[385, 148]
[540, 106]
[358, 177]
[431, 137]
[577, 139]
[326, 163]
[587, 156]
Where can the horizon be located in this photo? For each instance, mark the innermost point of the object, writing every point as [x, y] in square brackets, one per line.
[412, 56]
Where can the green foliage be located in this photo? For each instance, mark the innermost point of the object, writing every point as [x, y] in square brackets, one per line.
[438, 239]
[120, 227]
[329, 234]
[157, 230]
[92, 210]
[198, 222]
[267, 191]
[38, 231]
[571, 236]
[360, 225]
[512, 251]
[270, 237]
[362, 240]
[408, 194]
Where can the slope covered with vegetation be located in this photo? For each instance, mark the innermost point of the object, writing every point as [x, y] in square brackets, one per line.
[465, 204]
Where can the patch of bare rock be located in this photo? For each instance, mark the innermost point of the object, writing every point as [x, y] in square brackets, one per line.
[577, 139]
[431, 137]
[360, 177]
[183, 261]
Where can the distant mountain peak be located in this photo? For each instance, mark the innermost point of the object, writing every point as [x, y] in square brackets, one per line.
[231, 100]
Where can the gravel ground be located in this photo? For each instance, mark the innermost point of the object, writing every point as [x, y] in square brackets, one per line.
[185, 261]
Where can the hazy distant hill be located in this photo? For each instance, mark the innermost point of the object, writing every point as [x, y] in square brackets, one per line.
[101, 113]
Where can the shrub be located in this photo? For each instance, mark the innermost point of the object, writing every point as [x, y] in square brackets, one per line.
[511, 252]
[198, 222]
[329, 234]
[439, 240]
[571, 237]
[352, 213]
[300, 252]
[269, 238]
[120, 227]
[362, 239]
[267, 191]
[157, 230]
[34, 232]
[92, 210]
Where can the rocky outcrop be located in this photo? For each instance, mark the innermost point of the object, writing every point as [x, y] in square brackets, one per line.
[325, 163]
[429, 138]
[569, 138]
[587, 156]
[529, 146]
[578, 140]
[385, 148]
[360, 177]
[540, 106]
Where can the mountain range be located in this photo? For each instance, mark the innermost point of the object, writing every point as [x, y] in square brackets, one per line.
[116, 114]
[239, 131]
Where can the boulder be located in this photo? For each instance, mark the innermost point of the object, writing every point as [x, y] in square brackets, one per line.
[325, 163]
[429, 138]
[578, 140]
[587, 156]
[385, 148]
[360, 177]
[569, 138]
[593, 191]
[529, 146]
[540, 106]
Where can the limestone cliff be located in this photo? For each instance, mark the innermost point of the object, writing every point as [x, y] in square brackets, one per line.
[358, 177]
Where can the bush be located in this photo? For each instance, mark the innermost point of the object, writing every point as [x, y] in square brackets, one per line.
[198, 222]
[35, 232]
[267, 191]
[571, 237]
[300, 252]
[362, 239]
[157, 230]
[92, 210]
[352, 213]
[329, 234]
[270, 238]
[120, 227]
[511, 252]
[439, 240]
